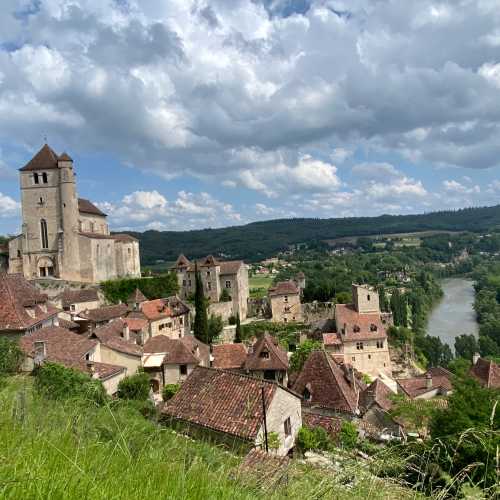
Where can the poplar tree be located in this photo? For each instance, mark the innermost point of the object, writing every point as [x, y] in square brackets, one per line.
[200, 327]
[237, 336]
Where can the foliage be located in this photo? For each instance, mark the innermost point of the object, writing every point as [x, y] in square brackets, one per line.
[466, 346]
[436, 352]
[287, 333]
[135, 386]
[215, 326]
[399, 309]
[11, 356]
[153, 288]
[313, 438]
[343, 298]
[57, 382]
[459, 366]
[224, 296]
[200, 327]
[348, 435]
[415, 413]
[169, 391]
[273, 440]
[238, 335]
[301, 354]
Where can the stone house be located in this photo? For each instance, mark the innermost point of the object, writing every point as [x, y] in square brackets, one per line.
[361, 337]
[284, 298]
[64, 236]
[61, 346]
[486, 372]
[218, 277]
[72, 302]
[268, 360]
[433, 383]
[23, 309]
[236, 410]
[229, 356]
[170, 361]
[90, 319]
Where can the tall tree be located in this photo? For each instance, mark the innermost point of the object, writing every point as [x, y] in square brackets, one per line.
[466, 346]
[237, 336]
[200, 327]
[384, 306]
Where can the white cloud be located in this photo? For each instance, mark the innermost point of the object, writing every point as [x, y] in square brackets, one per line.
[145, 199]
[8, 206]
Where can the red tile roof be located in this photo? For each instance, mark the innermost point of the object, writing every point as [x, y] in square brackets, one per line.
[331, 339]
[136, 324]
[416, 386]
[164, 308]
[184, 351]
[487, 372]
[111, 335]
[277, 359]
[87, 207]
[332, 425]
[69, 325]
[136, 297]
[17, 297]
[284, 288]
[223, 401]
[376, 393]
[45, 159]
[229, 356]
[69, 297]
[326, 383]
[370, 325]
[105, 313]
[104, 371]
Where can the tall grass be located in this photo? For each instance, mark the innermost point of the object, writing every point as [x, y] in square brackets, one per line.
[51, 449]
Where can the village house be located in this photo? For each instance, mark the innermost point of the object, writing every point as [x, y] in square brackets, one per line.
[225, 284]
[65, 236]
[361, 336]
[23, 309]
[328, 388]
[229, 356]
[59, 345]
[236, 410]
[135, 300]
[486, 372]
[268, 360]
[284, 299]
[90, 319]
[433, 383]
[72, 302]
[170, 360]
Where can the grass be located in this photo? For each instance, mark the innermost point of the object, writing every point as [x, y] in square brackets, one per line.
[75, 450]
[259, 285]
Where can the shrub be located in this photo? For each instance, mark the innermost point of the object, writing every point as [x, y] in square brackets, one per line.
[273, 440]
[55, 381]
[215, 326]
[11, 356]
[169, 391]
[134, 387]
[315, 438]
[224, 296]
[348, 435]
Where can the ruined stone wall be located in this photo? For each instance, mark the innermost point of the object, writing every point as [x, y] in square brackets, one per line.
[223, 309]
[317, 311]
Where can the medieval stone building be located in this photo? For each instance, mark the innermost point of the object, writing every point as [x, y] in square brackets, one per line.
[64, 236]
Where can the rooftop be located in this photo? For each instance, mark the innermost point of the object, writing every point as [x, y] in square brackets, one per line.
[229, 356]
[87, 207]
[284, 288]
[355, 326]
[164, 308]
[68, 296]
[439, 379]
[267, 354]
[111, 335]
[184, 351]
[105, 313]
[487, 372]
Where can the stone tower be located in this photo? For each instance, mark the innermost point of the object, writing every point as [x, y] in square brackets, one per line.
[366, 299]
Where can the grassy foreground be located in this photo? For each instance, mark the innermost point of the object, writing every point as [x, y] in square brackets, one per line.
[74, 450]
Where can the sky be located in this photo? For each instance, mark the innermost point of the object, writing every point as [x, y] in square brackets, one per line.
[186, 114]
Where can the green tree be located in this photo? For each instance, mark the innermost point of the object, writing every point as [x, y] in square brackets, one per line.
[343, 298]
[200, 327]
[348, 435]
[11, 356]
[169, 391]
[459, 366]
[238, 334]
[215, 326]
[384, 305]
[466, 346]
[301, 354]
[135, 386]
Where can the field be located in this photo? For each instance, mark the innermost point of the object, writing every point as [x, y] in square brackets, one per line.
[258, 285]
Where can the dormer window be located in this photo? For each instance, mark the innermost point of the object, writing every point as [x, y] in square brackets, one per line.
[264, 354]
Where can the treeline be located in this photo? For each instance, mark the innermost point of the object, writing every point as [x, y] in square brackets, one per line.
[260, 240]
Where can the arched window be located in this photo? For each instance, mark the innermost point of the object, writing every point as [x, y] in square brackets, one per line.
[44, 234]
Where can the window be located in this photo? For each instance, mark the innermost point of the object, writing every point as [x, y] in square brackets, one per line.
[40, 201]
[369, 356]
[373, 327]
[43, 272]
[161, 327]
[35, 178]
[44, 234]
[183, 282]
[380, 344]
[209, 286]
[368, 297]
[183, 369]
[264, 354]
[306, 394]
[181, 321]
[359, 346]
[354, 358]
[285, 298]
[19, 254]
[129, 251]
[44, 178]
[189, 282]
[228, 284]
[288, 427]
[208, 274]
[72, 307]
[356, 329]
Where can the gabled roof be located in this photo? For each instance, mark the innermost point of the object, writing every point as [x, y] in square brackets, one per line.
[164, 308]
[284, 288]
[223, 401]
[87, 207]
[358, 326]
[104, 313]
[136, 324]
[416, 386]
[65, 157]
[17, 297]
[184, 351]
[376, 393]
[182, 261]
[136, 297]
[69, 297]
[326, 383]
[277, 359]
[111, 335]
[45, 159]
[487, 372]
[229, 356]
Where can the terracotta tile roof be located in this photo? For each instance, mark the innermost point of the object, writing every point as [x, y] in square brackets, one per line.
[332, 425]
[184, 351]
[69, 297]
[136, 297]
[104, 371]
[229, 356]
[331, 339]
[69, 325]
[416, 386]
[223, 401]
[284, 288]
[276, 360]
[60, 344]
[230, 266]
[136, 324]
[17, 297]
[45, 159]
[164, 308]
[369, 325]
[105, 313]
[376, 393]
[111, 335]
[326, 383]
[87, 207]
[65, 157]
[123, 237]
[487, 372]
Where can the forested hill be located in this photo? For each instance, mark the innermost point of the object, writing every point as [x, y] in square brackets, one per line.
[259, 240]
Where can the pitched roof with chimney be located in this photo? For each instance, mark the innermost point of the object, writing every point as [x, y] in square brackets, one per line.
[136, 297]
[487, 372]
[283, 288]
[355, 326]
[376, 393]
[87, 207]
[45, 159]
[223, 401]
[164, 308]
[111, 336]
[277, 358]
[326, 383]
[184, 351]
[21, 304]
[105, 313]
[416, 386]
[69, 297]
[229, 356]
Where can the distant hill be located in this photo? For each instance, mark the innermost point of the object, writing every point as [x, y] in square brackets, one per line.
[260, 240]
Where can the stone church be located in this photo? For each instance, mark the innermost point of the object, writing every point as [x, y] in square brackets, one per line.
[64, 236]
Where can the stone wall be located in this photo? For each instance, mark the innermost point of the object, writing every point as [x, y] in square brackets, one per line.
[223, 309]
[317, 311]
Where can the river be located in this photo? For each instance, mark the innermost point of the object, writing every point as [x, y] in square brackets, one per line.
[454, 315]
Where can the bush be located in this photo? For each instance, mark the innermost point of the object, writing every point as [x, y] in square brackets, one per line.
[11, 357]
[57, 382]
[301, 354]
[224, 296]
[169, 391]
[215, 326]
[315, 438]
[134, 387]
[348, 435]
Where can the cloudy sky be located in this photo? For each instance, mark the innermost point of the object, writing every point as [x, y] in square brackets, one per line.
[184, 114]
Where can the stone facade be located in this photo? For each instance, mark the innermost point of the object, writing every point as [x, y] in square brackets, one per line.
[64, 236]
[285, 302]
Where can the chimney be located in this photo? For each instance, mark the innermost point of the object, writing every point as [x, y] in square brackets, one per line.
[428, 380]
[40, 352]
[126, 331]
[475, 358]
